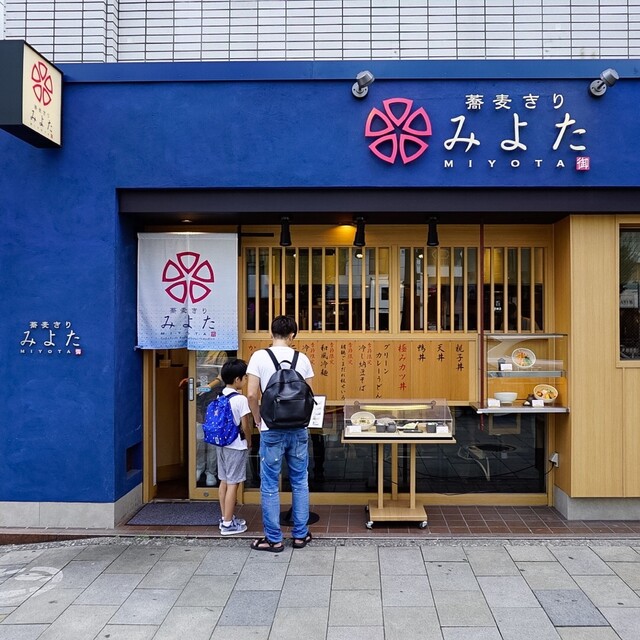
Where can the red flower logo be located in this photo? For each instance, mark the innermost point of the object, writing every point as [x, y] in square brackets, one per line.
[188, 275]
[398, 130]
[43, 87]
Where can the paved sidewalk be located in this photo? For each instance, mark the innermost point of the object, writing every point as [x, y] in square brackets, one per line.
[194, 589]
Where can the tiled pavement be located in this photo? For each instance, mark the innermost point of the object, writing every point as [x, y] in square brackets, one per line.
[475, 573]
[349, 522]
[172, 588]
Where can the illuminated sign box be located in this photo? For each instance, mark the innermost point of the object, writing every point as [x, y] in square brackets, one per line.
[30, 95]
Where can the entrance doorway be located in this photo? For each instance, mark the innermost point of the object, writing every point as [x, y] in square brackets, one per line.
[178, 464]
[168, 435]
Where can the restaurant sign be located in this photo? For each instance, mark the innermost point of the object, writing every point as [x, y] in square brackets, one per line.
[30, 95]
[487, 130]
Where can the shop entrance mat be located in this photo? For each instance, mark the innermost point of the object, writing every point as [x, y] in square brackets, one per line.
[177, 514]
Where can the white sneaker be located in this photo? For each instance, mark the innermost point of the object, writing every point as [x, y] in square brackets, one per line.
[234, 527]
[240, 521]
[211, 480]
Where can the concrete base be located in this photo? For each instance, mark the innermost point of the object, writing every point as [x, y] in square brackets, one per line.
[70, 515]
[596, 508]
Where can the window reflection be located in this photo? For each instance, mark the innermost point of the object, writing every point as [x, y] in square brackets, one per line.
[629, 270]
[208, 385]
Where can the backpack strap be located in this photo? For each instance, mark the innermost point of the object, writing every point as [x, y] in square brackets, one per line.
[273, 359]
[293, 361]
[229, 396]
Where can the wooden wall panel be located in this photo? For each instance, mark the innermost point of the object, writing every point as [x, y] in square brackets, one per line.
[596, 389]
[399, 369]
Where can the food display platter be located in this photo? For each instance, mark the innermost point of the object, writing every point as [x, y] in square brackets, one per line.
[523, 358]
[365, 425]
[545, 392]
[352, 432]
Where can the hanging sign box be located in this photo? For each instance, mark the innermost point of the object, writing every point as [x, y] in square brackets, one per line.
[30, 95]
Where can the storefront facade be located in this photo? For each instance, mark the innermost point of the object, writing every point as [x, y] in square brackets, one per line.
[531, 181]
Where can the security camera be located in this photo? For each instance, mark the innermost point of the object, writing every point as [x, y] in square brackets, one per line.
[607, 79]
[360, 87]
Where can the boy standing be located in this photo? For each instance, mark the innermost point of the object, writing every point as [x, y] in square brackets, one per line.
[232, 459]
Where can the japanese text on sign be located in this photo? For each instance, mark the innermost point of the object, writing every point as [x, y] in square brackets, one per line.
[44, 337]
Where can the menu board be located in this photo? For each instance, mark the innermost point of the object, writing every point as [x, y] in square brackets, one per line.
[402, 369]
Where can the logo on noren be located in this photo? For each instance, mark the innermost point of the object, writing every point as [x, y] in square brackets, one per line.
[188, 276]
[398, 131]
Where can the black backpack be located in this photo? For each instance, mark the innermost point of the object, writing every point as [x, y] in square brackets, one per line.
[287, 400]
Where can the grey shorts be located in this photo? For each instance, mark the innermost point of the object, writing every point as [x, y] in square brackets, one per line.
[232, 464]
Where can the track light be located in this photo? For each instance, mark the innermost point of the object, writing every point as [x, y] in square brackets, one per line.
[432, 236]
[607, 79]
[358, 240]
[285, 233]
[360, 87]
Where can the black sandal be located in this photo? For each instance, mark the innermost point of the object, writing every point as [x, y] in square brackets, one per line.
[301, 543]
[271, 546]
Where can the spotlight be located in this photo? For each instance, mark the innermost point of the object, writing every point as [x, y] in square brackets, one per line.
[285, 233]
[607, 79]
[360, 87]
[358, 240]
[432, 236]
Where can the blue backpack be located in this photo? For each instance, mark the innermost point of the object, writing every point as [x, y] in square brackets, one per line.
[219, 426]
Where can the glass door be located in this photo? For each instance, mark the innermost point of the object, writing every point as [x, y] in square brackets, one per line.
[204, 385]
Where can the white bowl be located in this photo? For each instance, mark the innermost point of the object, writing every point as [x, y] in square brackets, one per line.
[364, 419]
[505, 396]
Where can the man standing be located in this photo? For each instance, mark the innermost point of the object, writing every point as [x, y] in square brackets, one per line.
[276, 444]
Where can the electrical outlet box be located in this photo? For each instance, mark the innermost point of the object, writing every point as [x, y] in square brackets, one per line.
[554, 458]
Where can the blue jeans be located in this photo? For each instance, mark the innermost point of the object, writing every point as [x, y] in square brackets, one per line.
[292, 445]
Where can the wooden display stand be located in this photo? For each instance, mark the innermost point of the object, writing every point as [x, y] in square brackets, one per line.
[397, 509]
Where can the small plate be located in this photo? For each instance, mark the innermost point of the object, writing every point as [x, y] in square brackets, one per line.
[523, 358]
[363, 419]
[545, 392]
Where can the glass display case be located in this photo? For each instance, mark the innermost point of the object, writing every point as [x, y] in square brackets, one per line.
[524, 373]
[398, 420]
[397, 423]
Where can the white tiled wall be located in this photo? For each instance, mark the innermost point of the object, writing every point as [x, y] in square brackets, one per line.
[146, 30]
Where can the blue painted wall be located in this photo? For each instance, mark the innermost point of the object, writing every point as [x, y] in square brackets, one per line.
[66, 255]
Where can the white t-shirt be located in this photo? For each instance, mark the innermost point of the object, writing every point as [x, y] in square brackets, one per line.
[261, 365]
[239, 407]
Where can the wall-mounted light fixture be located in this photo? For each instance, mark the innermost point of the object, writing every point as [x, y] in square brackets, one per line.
[285, 232]
[358, 240]
[607, 79]
[360, 87]
[432, 235]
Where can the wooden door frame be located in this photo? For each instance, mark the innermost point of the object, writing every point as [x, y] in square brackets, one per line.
[149, 483]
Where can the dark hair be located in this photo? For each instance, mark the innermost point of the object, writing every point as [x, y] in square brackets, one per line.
[282, 326]
[232, 370]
